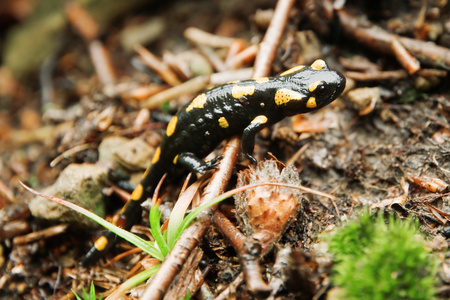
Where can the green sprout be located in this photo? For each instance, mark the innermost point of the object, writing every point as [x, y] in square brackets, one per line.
[91, 295]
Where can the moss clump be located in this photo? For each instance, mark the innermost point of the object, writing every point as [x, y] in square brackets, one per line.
[379, 260]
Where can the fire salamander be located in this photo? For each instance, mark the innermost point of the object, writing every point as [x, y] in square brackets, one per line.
[243, 107]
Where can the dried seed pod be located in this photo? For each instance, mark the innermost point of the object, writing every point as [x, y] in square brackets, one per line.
[265, 212]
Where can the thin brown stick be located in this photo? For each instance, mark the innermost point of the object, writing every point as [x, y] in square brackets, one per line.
[375, 38]
[191, 236]
[404, 57]
[195, 85]
[82, 21]
[101, 59]
[202, 37]
[217, 63]
[432, 73]
[380, 40]
[236, 47]
[248, 252]
[87, 27]
[190, 276]
[263, 62]
[6, 195]
[231, 289]
[272, 38]
[70, 153]
[244, 57]
[157, 65]
[279, 276]
[396, 74]
[122, 255]
[179, 66]
[377, 75]
[42, 234]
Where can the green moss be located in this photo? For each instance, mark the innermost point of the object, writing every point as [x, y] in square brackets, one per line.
[379, 260]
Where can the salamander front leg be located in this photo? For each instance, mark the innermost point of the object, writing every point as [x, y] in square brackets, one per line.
[193, 163]
[248, 136]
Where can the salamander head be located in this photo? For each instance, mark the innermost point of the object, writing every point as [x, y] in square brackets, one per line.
[308, 88]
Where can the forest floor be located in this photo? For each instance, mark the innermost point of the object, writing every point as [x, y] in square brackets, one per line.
[93, 88]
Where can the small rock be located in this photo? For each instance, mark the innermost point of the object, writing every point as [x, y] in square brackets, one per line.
[107, 148]
[133, 155]
[364, 99]
[81, 184]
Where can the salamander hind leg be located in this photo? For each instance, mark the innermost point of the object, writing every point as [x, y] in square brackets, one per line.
[125, 219]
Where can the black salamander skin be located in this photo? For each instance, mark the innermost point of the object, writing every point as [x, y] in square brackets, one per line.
[243, 107]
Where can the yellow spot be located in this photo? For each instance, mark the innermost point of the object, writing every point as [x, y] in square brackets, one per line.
[311, 102]
[232, 82]
[175, 160]
[313, 86]
[137, 193]
[198, 102]
[292, 70]
[223, 122]
[260, 119]
[283, 96]
[238, 91]
[101, 243]
[172, 125]
[318, 65]
[145, 173]
[156, 155]
[261, 80]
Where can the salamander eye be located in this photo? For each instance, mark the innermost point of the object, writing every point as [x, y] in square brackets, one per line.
[318, 88]
[321, 89]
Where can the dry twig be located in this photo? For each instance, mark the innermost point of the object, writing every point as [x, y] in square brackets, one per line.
[262, 68]
[87, 27]
[272, 38]
[249, 252]
[191, 236]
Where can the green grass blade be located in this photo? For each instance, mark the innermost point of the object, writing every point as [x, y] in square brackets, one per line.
[76, 296]
[147, 247]
[155, 224]
[92, 291]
